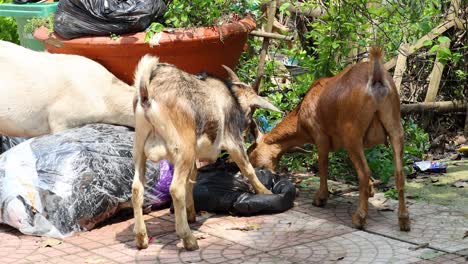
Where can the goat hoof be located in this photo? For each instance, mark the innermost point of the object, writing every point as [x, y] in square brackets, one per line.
[190, 243]
[191, 217]
[405, 223]
[359, 222]
[321, 199]
[141, 240]
[320, 202]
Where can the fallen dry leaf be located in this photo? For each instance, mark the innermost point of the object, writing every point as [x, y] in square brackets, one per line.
[423, 245]
[385, 209]
[201, 237]
[337, 257]
[50, 242]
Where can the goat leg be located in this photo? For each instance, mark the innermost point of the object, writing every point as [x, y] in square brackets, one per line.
[356, 154]
[239, 156]
[183, 166]
[191, 213]
[392, 124]
[397, 146]
[321, 196]
[138, 188]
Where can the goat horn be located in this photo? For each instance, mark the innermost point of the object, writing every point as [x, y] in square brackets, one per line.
[261, 102]
[231, 73]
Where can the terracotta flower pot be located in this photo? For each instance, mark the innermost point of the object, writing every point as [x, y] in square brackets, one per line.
[193, 50]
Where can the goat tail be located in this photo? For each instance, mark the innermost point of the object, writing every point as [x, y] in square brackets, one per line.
[143, 76]
[377, 83]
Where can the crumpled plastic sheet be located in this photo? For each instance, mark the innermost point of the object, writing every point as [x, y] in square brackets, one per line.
[59, 184]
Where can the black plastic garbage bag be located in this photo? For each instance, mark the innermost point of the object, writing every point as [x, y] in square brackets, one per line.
[221, 188]
[25, 1]
[59, 184]
[77, 18]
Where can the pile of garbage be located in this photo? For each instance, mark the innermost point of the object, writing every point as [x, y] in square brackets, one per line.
[60, 184]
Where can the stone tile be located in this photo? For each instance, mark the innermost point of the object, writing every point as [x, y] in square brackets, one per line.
[273, 231]
[15, 246]
[305, 234]
[121, 232]
[463, 252]
[430, 223]
[163, 214]
[446, 259]
[355, 247]
[169, 249]
[442, 230]
[262, 258]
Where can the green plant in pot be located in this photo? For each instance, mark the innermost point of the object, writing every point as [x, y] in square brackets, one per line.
[198, 13]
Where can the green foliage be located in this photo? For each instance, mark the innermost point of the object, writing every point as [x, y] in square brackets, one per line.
[443, 53]
[8, 27]
[392, 193]
[153, 29]
[348, 28]
[196, 13]
[351, 25]
[306, 182]
[182, 13]
[37, 22]
[298, 162]
[416, 143]
[114, 36]
[380, 158]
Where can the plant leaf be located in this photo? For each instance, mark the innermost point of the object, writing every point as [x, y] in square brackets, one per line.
[427, 43]
[434, 49]
[443, 39]
[284, 6]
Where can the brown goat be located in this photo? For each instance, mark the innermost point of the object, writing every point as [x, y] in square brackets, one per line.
[182, 118]
[355, 109]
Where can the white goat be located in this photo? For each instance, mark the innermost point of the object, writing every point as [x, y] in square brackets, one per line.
[42, 93]
[181, 118]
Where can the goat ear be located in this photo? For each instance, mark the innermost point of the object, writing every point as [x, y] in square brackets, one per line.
[261, 102]
[298, 150]
[231, 73]
[258, 135]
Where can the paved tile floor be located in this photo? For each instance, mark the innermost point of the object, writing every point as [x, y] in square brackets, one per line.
[304, 234]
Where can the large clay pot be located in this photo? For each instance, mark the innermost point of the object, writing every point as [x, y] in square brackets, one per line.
[193, 50]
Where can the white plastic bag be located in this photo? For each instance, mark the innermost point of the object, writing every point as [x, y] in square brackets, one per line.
[59, 184]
